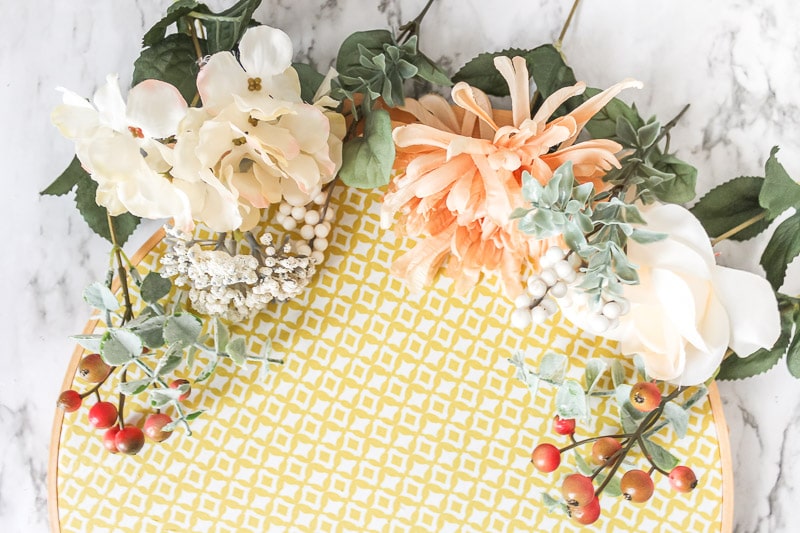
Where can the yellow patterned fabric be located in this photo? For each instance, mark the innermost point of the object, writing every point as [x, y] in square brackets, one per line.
[393, 412]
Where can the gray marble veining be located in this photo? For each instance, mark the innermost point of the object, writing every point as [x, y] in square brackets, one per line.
[735, 61]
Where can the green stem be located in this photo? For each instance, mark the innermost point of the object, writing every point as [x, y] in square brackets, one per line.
[746, 224]
[181, 414]
[567, 22]
[121, 401]
[671, 124]
[576, 443]
[123, 275]
[412, 28]
[649, 457]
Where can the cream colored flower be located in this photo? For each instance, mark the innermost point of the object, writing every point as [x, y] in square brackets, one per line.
[118, 144]
[256, 142]
[687, 310]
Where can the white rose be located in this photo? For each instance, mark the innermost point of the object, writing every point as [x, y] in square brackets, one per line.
[687, 310]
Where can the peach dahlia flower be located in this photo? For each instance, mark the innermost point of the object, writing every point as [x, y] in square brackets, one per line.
[459, 174]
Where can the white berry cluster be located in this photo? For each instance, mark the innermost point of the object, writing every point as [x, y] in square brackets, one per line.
[607, 317]
[313, 226]
[539, 302]
[235, 286]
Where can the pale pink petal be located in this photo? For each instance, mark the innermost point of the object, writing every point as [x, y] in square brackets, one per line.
[156, 107]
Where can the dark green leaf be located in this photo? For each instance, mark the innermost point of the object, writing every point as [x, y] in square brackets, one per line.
[781, 250]
[172, 60]
[96, 216]
[67, 180]
[430, 71]
[175, 12]
[367, 161]
[310, 80]
[728, 205]
[348, 60]
[549, 72]
[793, 352]
[780, 192]
[734, 367]
[154, 287]
[681, 188]
[224, 30]
[604, 124]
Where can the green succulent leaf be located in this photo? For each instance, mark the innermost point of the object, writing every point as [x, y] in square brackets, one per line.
[120, 346]
[183, 328]
[162, 397]
[367, 161]
[728, 205]
[237, 350]
[782, 249]
[100, 297]
[154, 287]
[780, 192]
[604, 124]
[171, 359]
[553, 368]
[151, 331]
[172, 60]
[571, 400]
[208, 371]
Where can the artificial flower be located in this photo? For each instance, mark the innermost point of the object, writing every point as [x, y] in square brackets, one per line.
[459, 172]
[687, 310]
[119, 146]
[254, 137]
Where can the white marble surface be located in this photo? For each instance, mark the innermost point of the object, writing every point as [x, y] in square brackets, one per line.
[735, 61]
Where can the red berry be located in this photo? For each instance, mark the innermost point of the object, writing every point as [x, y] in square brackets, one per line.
[577, 490]
[546, 457]
[69, 400]
[109, 439]
[129, 440]
[587, 514]
[637, 486]
[177, 383]
[153, 427]
[93, 369]
[645, 396]
[102, 415]
[604, 449]
[682, 479]
[564, 426]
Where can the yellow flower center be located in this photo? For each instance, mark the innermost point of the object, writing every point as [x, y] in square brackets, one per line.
[238, 141]
[253, 84]
[253, 121]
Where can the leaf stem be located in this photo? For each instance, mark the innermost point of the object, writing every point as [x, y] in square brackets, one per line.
[649, 457]
[746, 224]
[181, 414]
[121, 272]
[412, 27]
[567, 22]
[671, 124]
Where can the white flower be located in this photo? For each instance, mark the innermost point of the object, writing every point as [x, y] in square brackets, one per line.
[119, 146]
[687, 310]
[254, 142]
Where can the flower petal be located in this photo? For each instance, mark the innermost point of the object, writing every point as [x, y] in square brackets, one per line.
[265, 51]
[219, 80]
[515, 72]
[110, 104]
[752, 308]
[156, 107]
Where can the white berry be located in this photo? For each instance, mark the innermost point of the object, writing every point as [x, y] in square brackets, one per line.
[298, 212]
[329, 214]
[536, 287]
[317, 257]
[321, 231]
[548, 275]
[549, 306]
[538, 315]
[624, 306]
[280, 217]
[554, 253]
[523, 300]
[559, 290]
[289, 224]
[320, 244]
[320, 198]
[284, 208]
[521, 318]
[311, 217]
[563, 269]
[612, 310]
[307, 232]
[599, 323]
[304, 249]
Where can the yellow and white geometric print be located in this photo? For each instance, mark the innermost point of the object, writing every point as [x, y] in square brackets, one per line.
[393, 412]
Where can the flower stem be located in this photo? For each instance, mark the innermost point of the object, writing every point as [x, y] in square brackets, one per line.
[746, 224]
[121, 272]
[412, 28]
[567, 22]
[671, 124]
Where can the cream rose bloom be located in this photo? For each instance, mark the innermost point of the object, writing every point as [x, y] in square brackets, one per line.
[687, 310]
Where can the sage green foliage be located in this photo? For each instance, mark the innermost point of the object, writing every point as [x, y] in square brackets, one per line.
[154, 287]
[367, 161]
[76, 178]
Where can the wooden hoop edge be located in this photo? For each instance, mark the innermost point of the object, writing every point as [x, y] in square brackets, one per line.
[69, 376]
[725, 457]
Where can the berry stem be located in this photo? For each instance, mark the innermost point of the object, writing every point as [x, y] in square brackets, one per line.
[576, 443]
[181, 414]
[121, 401]
[608, 462]
[97, 387]
[650, 457]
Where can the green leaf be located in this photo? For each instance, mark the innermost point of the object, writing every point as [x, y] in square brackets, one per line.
[553, 369]
[571, 400]
[90, 342]
[681, 188]
[237, 350]
[348, 60]
[172, 60]
[177, 10]
[641, 369]
[735, 367]
[678, 417]
[97, 217]
[604, 124]
[367, 161]
[793, 352]
[129, 388]
[429, 71]
[67, 180]
[625, 132]
[728, 205]
[782, 249]
[120, 346]
[780, 192]
[552, 504]
[151, 331]
[221, 335]
[661, 457]
[310, 80]
[617, 373]
[208, 370]
[100, 297]
[594, 369]
[226, 28]
[184, 328]
[170, 360]
[480, 72]
[647, 134]
[549, 72]
[613, 488]
[162, 397]
[699, 394]
[583, 466]
[154, 287]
